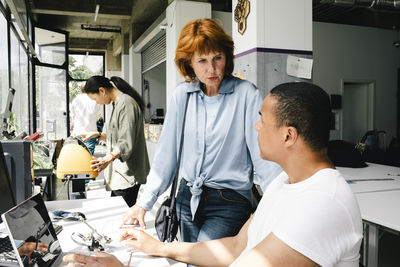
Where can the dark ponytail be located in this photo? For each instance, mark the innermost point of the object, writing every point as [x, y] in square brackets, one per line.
[95, 82]
[124, 87]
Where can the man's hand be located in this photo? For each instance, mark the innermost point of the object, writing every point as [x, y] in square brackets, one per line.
[100, 259]
[135, 215]
[136, 238]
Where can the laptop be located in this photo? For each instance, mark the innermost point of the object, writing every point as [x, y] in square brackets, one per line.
[32, 234]
[7, 201]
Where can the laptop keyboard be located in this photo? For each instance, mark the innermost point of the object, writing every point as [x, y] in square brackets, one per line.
[7, 255]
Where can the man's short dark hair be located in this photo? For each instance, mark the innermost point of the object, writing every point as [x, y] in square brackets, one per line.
[306, 107]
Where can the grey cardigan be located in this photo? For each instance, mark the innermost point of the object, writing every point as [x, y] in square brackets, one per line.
[125, 134]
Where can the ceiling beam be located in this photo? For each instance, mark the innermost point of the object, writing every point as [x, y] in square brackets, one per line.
[78, 14]
[88, 44]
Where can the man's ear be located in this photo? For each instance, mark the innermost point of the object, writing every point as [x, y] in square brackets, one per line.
[291, 136]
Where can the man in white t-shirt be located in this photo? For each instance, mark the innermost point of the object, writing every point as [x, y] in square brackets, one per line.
[308, 215]
[85, 113]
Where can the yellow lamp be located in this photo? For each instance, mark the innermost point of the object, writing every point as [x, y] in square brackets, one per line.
[74, 161]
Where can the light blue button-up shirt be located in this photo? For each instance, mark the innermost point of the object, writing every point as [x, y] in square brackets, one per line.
[220, 144]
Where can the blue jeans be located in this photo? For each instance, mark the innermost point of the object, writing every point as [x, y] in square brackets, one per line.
[221, 213]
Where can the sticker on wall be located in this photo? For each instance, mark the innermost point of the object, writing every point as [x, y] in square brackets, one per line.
[299, 67]
[240, 75]
[242, 11]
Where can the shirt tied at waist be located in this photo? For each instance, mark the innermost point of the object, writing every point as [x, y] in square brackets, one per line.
[196, 188]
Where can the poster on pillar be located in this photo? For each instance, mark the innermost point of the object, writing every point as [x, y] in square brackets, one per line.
[299, 67]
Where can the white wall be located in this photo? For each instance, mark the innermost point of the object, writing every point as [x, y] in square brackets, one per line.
[280, 24]
[344, 52]
[125, 67]
[157, 80]
[286, 28]
[135, 70]
[225, 18]
[179, 13]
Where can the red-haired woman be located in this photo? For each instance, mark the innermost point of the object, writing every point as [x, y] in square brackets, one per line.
[220, 145]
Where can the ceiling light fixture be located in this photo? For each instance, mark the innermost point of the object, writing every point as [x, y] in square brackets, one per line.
[96, 12]
[100, 28]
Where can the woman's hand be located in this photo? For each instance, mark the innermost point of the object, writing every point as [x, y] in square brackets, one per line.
[136, 238]
[28, 247]
[99, 164]
[100, 259]
[135, 215]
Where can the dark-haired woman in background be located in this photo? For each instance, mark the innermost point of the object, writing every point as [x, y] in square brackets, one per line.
[127, 160]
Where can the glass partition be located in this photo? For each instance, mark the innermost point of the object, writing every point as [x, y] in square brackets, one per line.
[4, 85]
[50, 46]
[82, 67]
[51, 102]
[22, 95]
[51, 83]
[85, 66]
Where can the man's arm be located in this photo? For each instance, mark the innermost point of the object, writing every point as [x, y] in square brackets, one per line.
[273, 252]
[220, 252]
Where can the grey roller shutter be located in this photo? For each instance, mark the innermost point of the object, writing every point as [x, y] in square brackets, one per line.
[154, 54]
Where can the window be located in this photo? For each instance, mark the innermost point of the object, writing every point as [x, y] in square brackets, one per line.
[3, 63]
[50, 46]
[82, 67]
[19, 81]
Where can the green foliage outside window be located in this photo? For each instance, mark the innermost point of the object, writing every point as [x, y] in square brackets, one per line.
[80, 72]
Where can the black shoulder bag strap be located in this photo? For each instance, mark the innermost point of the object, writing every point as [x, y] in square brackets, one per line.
[175, 182]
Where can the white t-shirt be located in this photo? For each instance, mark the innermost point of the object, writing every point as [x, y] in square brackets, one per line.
[318, 217]
[84, 114]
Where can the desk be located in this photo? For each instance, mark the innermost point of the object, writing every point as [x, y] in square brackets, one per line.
[374, 178]
[105, 215]
[378, 195]
[379, 211]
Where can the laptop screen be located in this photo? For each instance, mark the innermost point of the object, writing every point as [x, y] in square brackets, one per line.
[31, 233]
[7, 200]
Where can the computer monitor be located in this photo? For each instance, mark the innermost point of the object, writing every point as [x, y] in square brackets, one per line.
[7, 200]
[19, 161]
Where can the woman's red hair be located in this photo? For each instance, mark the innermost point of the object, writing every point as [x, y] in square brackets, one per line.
[202, 36]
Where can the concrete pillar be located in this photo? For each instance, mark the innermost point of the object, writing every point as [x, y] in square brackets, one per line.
[135, 66]
[178, 14]
[135, 59]
[125, 70]
[272, 30]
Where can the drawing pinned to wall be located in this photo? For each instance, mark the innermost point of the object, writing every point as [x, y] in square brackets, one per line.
[299, 67]
[242, 11]
[244, 71]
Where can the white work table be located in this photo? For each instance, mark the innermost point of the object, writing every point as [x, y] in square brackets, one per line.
[377, 189]
[105, 215]
[373, 178]
[381, 208]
